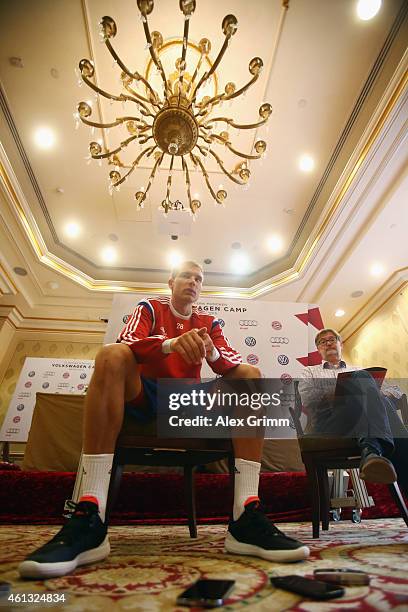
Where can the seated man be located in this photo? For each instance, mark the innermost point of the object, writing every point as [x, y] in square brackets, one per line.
[364, 412]
[164, 338]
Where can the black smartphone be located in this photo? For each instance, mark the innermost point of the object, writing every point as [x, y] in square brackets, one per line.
[345, 576]
[206, 593]
[315, 589]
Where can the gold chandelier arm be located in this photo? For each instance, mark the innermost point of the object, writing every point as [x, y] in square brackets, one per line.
[244, 155]
[183, 54]
[243, 89]
[145, 139]
[193, 78]
[188, 183]
[197, 160]
[118, 121]
[152, 175]
[152, 52]
[120, 98]
[169, 178]
[122, 145]
[139, 96]
[132, 75]
[219, 162]
[207, 74]
[239, 126]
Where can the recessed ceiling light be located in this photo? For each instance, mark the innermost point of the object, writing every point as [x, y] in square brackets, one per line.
[275, 243]
[113, 237]
[357, 294]
[207, 261]
[377, 269]
[72, 229]
[175, 259]
[44, 138]
[236, 245]
[53, 285]
[306, 163]
[20, 271]
[367, 9]
[109, 254]
[240, 263]
[339, 313]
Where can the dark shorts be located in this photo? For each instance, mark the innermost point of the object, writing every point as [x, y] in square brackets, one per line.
[144, 407]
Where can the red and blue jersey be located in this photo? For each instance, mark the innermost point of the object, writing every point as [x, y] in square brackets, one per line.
[156, 320]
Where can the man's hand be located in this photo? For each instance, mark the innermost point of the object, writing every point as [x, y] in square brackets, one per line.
[191, 345]
[208, 343]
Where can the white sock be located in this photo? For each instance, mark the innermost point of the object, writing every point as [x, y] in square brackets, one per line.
[96, 478]
[246, 484]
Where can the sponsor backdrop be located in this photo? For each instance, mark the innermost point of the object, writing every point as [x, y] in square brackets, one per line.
[44, 376]
[277, 337]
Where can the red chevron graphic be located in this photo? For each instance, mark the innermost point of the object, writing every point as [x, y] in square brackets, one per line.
[315, 318]
[304, 317]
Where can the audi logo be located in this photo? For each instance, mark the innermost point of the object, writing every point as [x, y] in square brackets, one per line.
[250, 341]
[248, 323]
[279, 340]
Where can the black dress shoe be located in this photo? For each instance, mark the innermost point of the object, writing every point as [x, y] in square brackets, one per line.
[375, 468]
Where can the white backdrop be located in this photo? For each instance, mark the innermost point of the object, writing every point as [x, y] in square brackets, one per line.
[44, 376]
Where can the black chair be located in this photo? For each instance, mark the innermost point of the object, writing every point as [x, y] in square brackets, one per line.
[138, 444]
[322, 453]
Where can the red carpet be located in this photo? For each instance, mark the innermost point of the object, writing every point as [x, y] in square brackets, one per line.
[38, 497]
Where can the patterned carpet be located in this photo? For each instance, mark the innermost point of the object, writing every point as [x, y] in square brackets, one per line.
[150, 566]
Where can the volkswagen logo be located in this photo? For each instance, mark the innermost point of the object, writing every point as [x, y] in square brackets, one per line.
[248, 323]
[126, 318]
[221, 322]
[253, 359]
[276, 325]
[279, 340]
[250, 341]
[283, 359]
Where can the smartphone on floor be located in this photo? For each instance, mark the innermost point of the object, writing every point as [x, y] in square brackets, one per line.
[206, 593]
[315, 589]
[349, 577]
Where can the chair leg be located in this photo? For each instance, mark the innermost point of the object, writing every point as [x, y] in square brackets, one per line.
[190, 499]
[114, 486]
[312, 475]
[324, 495]
[231, 468]
[399, 500]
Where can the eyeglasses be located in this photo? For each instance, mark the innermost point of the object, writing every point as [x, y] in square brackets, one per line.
[326, 341]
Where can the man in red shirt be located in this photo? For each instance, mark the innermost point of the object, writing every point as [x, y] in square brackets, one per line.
[164, 338]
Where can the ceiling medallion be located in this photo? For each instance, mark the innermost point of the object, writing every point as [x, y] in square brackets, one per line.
[178, 121]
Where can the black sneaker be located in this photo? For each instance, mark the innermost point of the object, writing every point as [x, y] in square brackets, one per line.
[83, 539]
[253, 534]
[375, 468]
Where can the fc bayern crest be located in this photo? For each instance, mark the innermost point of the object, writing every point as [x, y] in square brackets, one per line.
[276, 325]
[253, 359]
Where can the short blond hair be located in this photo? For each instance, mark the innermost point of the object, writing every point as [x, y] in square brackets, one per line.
[325, 331]
[193, 264]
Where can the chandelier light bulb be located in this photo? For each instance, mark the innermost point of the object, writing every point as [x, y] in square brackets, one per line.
[367, 9]
[377, 269]
[173, 118]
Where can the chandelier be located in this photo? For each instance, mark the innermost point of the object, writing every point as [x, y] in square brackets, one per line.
[177, 121]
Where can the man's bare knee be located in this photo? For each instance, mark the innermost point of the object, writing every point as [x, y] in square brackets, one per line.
[114, 359]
